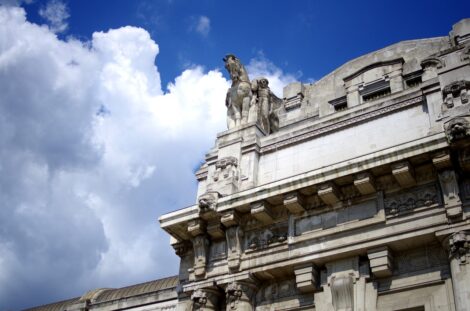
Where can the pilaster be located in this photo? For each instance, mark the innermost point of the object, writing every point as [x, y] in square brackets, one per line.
[458, 246]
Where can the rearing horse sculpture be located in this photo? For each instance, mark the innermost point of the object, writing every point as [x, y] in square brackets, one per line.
[239, 95]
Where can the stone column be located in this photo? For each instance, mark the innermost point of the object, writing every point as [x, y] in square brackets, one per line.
[459, 250]
[240, 295]
[205, 299]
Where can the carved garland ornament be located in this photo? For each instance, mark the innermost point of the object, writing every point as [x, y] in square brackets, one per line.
[408, 201]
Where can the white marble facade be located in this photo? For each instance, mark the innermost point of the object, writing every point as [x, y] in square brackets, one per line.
[352, 193]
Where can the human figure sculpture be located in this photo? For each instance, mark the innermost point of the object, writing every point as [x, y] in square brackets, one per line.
[239, 94]
[265, 105]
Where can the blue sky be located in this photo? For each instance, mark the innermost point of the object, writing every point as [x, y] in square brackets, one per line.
[107, 107]
[308, 38]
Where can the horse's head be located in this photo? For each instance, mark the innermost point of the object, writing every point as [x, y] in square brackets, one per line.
[235, 68]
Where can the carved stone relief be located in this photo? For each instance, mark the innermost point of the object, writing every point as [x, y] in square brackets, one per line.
[332, 218]
[342, 292]
[459, 246]
[226, 168]
[234, 247]
[205, 299]
[239, 295]
[199, 299]
[260, 239]
[406, 201]
[208, 203]
[454, 90]
[200, 245]
[276, 290]
[218, 250]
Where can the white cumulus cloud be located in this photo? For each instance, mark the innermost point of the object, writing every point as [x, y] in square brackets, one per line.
[92, 151]
[56, 13]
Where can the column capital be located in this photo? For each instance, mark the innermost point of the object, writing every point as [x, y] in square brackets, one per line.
[459, 246]
[238, 293]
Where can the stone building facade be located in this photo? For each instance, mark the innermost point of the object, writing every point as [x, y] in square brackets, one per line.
[351, 193]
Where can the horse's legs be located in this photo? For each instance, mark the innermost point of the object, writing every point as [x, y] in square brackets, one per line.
[237, 114]
[245, 108]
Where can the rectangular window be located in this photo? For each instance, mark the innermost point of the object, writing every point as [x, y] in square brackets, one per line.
[375, 90]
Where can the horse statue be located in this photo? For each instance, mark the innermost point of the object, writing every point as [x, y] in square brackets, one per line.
[239, 94]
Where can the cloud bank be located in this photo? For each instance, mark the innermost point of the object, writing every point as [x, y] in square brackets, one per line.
[92, 151]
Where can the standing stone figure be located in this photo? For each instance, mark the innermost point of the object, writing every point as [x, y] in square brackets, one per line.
[265, 105]
[239, 95]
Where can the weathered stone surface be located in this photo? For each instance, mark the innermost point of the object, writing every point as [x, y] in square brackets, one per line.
[341, 196]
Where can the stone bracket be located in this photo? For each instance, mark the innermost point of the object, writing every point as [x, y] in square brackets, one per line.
[262, 212]
[365, 183]
[196, 227]
[329, 193]
[230, 218]
[441, 160]
[450, 190]
[306, 278]
[215, 229]
[294, 202]
[404, 174]
[380, 261]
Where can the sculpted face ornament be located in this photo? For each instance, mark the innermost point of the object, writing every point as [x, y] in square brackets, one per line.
[199, 299]
[234, 293]
[457, 129]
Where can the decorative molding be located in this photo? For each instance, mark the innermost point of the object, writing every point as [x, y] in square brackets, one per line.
[342, 124]
[432, 62]
[374, 65]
